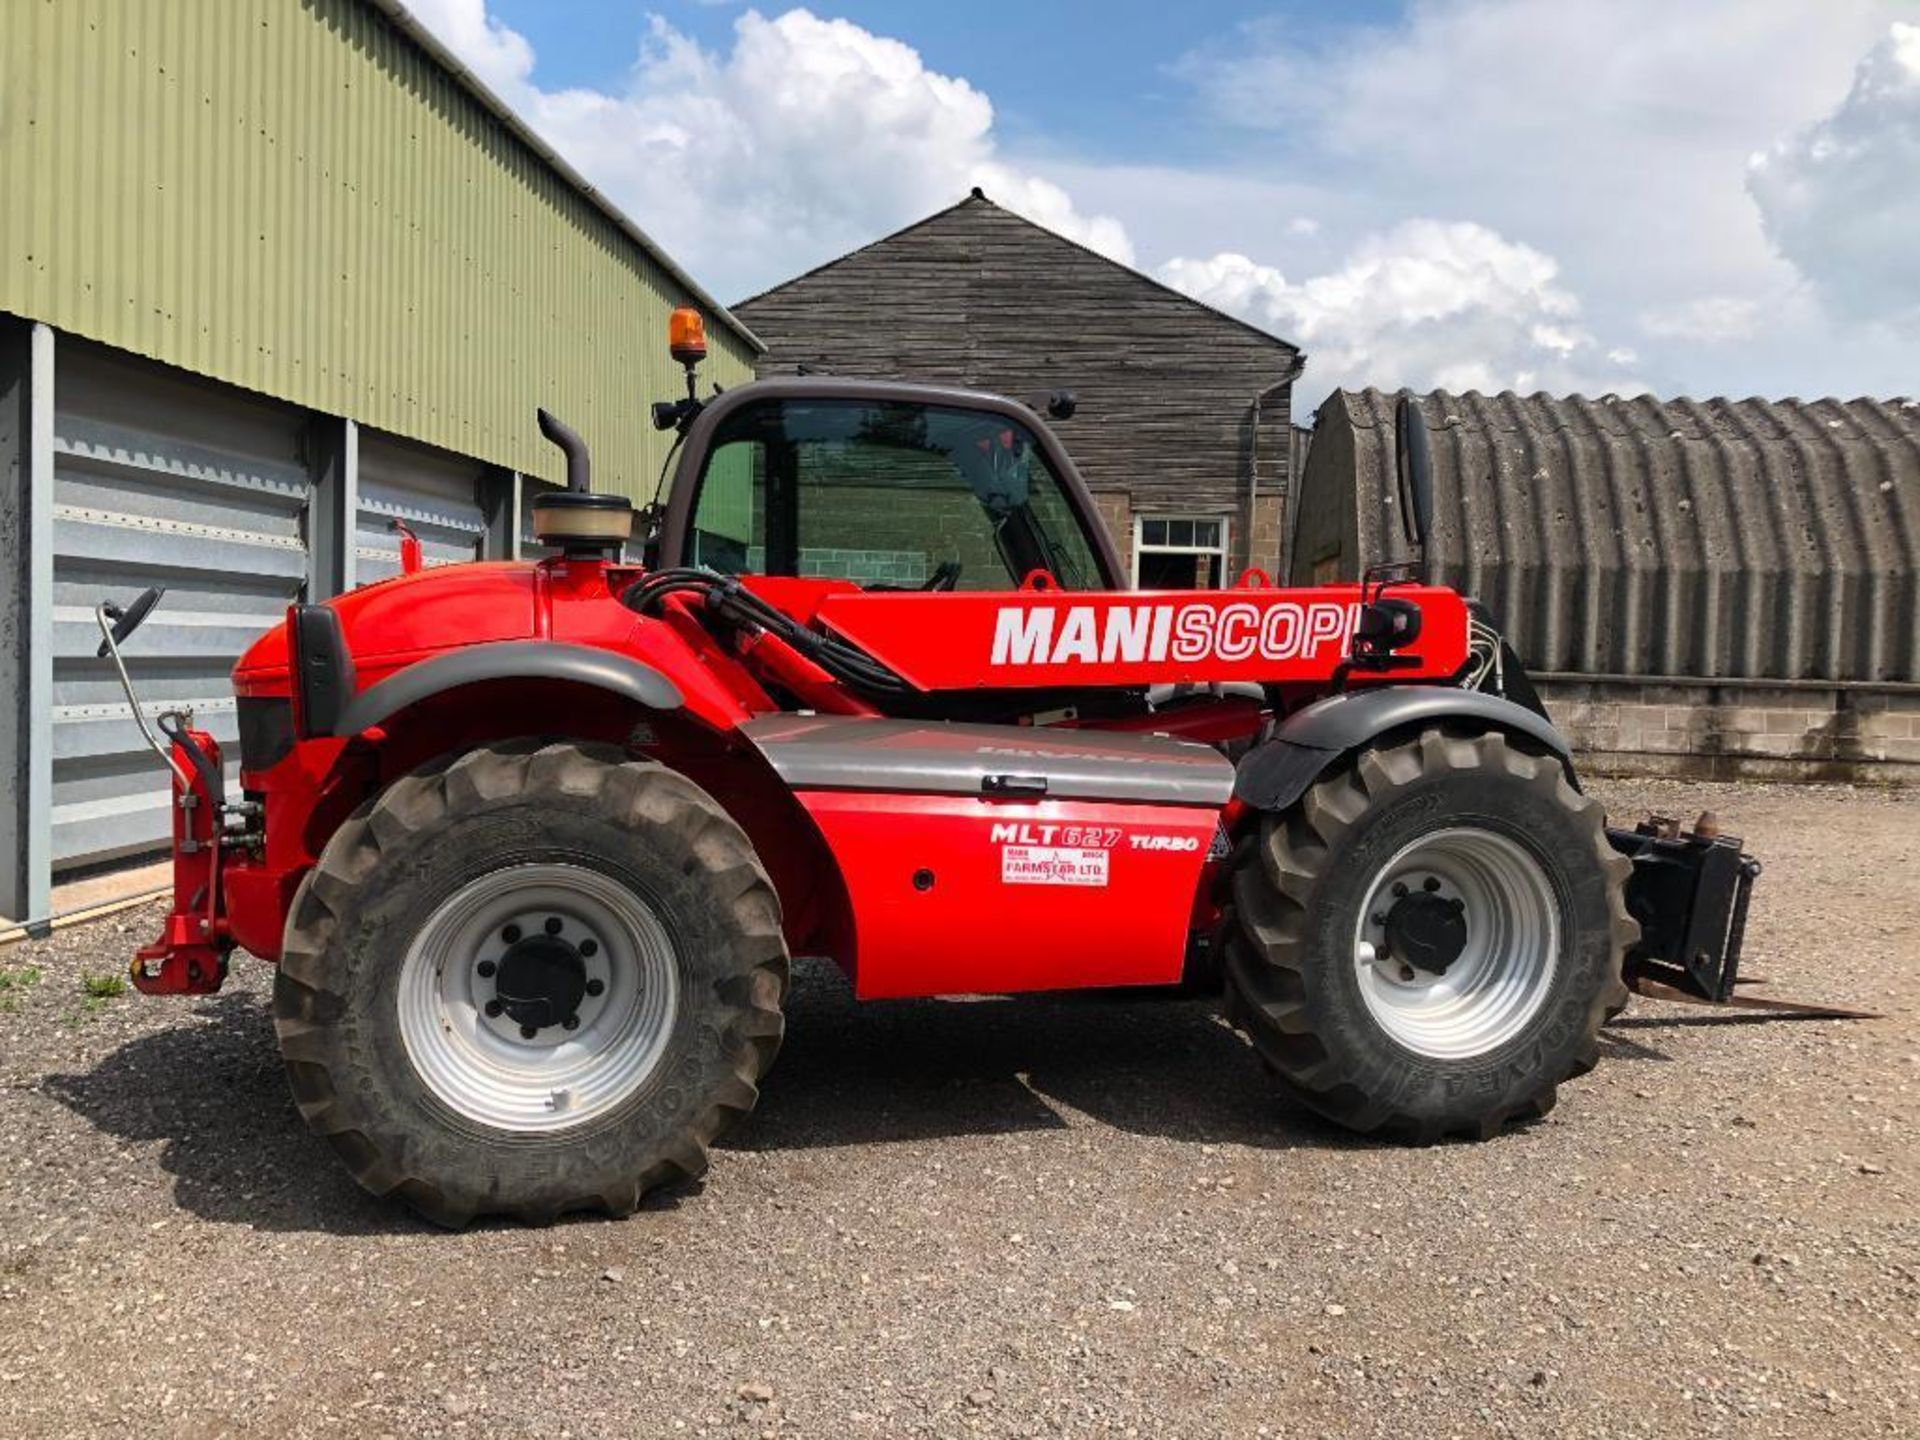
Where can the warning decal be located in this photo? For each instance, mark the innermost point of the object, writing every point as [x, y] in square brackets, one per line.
[1052, 865]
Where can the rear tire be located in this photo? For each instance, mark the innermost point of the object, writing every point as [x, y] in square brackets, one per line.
[532, 980]
[1366, 875]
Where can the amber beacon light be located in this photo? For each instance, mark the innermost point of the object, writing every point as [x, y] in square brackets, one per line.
[687, 336]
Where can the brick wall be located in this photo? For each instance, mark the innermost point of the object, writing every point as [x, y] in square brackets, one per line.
[1257, 545]
[1724, 731]
[863, 567]
[1116, 513]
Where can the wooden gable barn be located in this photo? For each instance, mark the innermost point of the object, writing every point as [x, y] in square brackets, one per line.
[1184, 421]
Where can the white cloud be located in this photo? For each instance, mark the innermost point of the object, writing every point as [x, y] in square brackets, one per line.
[1600, 146]
[1597, 127]
[1841, 198]
[1429, 304]
[805, 139]
[499, 56]
[1712, 319]
[812, 136]
[1613, 135]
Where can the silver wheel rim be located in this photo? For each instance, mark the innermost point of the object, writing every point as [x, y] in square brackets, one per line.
[1505, 969]
[484, 1066]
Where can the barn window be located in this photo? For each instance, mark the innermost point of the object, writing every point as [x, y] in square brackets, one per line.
[1179, 552]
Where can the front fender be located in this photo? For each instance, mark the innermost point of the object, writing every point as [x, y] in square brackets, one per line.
[1273, 775]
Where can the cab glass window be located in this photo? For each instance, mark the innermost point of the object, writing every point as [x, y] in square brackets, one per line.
[889, 496]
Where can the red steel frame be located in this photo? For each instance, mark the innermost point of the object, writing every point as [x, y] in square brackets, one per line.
[835, 857]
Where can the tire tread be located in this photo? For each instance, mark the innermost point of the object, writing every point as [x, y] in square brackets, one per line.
[625, 790]
[1268, 960]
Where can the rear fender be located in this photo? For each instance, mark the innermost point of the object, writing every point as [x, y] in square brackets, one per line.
[1274, 775]
[441, 705]
[518, 660]
[813, 907]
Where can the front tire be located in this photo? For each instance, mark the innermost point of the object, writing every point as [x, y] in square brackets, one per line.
[533, 980]
[1429, 942]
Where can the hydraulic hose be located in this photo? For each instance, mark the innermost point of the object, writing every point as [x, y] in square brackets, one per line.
[726, 597]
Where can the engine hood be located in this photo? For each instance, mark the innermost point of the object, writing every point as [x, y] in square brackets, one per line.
[395, 621]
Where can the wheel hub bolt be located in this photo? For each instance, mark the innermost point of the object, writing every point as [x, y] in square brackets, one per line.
[527, 1032]
[1406, 972]
[1378, 919]
[589, 947]
[1431, 884]
[486, 969]
[595, 987]
[1399, 889]
[555, 925]
[495, 1009]
[572, 1022]
[510, 934]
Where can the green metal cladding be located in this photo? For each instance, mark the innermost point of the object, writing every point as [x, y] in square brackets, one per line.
[295, 197]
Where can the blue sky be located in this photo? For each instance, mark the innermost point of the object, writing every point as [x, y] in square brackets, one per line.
[1090, 79]
[1720, 196]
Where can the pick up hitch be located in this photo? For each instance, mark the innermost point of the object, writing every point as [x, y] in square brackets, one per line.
[1690, 891]
[190, 957]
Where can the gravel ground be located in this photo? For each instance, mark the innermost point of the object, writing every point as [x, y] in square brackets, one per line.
[1054, 1216]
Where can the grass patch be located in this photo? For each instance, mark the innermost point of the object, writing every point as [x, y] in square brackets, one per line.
[103, 987]
[96, 993]
[12, 982]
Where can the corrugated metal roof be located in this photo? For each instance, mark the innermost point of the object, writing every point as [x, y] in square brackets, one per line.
[300, 198]
[1717, 538]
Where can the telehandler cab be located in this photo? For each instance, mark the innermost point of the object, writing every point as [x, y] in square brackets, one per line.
[531, 843]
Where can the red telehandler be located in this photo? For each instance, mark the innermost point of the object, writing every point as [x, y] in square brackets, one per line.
[531, 843]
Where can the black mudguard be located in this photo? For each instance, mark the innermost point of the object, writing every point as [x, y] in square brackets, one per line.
[549, 660]
[1276, 773]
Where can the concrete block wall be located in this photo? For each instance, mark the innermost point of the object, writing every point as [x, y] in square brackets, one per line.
[1723, 732]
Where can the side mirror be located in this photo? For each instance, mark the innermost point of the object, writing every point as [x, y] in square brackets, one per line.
[1413, 458]
[126, 621]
